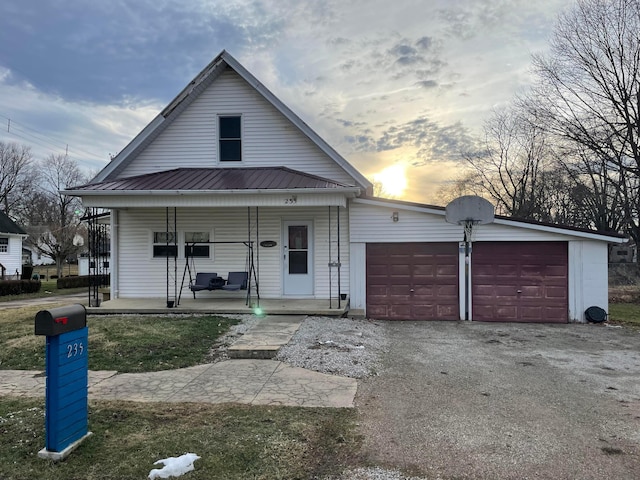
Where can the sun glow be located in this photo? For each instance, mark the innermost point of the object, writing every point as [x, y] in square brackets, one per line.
[392, 180]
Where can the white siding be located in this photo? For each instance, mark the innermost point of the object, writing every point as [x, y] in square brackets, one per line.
[140, 275]
[12, 259]
[358, 280]
[370, 223]
[268, 138]
[588, 280]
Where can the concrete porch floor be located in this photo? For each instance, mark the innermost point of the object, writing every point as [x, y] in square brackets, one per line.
[269, 306]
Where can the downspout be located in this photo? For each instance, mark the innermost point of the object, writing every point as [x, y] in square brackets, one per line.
[115, 260]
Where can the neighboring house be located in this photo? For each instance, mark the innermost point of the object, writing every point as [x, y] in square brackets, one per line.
[11, 238]
[226, 164]
[33, 256]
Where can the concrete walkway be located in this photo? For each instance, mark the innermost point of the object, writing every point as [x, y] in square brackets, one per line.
[249, 381]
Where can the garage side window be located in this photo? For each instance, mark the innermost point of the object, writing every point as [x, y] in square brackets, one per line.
[160, 247]
[4, 244]
[230, 138]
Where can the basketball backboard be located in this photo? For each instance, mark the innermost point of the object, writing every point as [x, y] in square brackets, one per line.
[469, 209]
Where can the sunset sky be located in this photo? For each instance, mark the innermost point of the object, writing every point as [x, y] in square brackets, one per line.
[403, 85]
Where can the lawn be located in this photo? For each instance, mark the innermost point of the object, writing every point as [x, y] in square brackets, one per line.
[233, 441]
[126, 343]
[627, 314]
[47, 289]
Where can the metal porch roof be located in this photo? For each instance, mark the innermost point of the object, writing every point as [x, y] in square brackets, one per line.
[213, 179]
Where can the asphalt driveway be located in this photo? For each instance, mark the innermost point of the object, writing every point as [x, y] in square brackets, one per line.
[505, 401]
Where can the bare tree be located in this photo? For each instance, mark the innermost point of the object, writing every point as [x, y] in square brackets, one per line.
[54, 218]
[15, 175]
[509, 165]
[588, 93]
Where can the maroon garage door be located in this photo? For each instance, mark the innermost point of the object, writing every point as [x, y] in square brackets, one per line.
[520, 281]
[412, 281]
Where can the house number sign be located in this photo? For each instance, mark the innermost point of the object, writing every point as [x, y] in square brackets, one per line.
[67, 362]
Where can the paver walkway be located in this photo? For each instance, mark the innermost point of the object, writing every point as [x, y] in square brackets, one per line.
[253, 382]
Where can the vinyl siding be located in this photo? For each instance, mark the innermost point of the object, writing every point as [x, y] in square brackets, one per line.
[12, 259]
[141, 275]
[588, 278]
[371, 223]
[268, 138]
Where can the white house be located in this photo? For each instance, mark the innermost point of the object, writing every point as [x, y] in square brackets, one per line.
[227, 178]
[11, 237]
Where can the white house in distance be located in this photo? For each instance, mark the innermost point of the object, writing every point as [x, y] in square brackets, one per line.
[226, 165]
[11, 237]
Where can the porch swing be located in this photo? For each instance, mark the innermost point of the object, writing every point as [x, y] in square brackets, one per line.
[212, 281]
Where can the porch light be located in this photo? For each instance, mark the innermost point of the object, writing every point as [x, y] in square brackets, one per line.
[395, 216]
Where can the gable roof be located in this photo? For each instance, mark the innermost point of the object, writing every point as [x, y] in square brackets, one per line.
[9, 226]
[183, 180]
[499, 219]
[201, 81]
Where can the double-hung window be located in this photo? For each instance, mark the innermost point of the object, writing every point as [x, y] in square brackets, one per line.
[230, 138]
[196, 244]
[164, 244]
[4, 244]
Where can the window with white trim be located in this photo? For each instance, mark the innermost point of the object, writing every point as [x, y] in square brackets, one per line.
[4, 244]
[229, 138]
[164, 244]
[195, 246]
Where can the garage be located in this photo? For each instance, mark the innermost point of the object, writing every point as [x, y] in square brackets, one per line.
[520, 270]
[520, 282]
[412, 281]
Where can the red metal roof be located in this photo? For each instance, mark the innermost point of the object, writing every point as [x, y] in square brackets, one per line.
[201, 179]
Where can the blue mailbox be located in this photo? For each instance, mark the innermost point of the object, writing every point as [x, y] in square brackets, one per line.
[67, 370]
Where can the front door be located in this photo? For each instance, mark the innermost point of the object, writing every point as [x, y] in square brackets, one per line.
[298, 258]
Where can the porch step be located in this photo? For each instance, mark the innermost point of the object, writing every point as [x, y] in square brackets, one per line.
[264, 339]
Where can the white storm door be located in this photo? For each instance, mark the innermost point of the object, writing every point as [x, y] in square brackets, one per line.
[298, 258]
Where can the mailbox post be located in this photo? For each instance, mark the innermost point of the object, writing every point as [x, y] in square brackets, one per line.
[67, 370]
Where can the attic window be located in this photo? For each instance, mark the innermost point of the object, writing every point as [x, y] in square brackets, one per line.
[230, 138]
[4, 244]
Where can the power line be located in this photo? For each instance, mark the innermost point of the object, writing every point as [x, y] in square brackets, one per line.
[39, 137]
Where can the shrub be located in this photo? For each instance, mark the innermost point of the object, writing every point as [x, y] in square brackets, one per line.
[16, 287]
[83, 281]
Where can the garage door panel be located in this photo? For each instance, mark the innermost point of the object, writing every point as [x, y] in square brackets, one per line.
[399, 312]
[399, 270]
[531, 291]
[376, 269]
[450, 270]
[538, 270]
[448, 291]
[378, 311]
[423, 271]
[429, 269]
[424, 291]
[556, 292]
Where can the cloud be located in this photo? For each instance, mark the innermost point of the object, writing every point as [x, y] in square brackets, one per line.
[380, 81]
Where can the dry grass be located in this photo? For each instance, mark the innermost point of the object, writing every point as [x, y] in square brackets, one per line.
[234, 442]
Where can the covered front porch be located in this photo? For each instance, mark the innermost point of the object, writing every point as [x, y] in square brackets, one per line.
[225, 305]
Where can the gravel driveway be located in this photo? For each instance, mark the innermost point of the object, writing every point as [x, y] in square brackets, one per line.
[457, 400]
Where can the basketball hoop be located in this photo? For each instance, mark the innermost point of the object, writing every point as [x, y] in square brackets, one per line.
[467, 225]
[468, 211]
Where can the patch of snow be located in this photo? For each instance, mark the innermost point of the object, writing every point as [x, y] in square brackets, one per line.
[174, 466]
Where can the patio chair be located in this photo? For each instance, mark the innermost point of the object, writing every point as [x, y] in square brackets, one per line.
[206, 281]
[236, 281]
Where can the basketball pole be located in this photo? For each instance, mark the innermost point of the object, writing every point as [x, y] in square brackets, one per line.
[468, 230]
